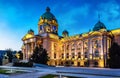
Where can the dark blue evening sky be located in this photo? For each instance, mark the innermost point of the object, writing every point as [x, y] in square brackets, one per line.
[76, 16]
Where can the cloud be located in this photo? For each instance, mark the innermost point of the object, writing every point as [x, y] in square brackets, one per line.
[8, 31]
[71, 17]
[110, 13]
[7, 38]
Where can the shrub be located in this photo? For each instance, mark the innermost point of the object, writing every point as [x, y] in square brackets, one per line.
[23, 64]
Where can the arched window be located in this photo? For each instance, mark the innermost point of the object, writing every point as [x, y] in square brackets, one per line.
[67, 55]
[86, 63]
[86, 54]
[73, 47]
[54, 28]
[62, 63]
[96, 41]
[86, 44]
[72, 63]
[63, 48]
[79, 55]
[41, 27]
[78, 63]
[96, 44]
[68, 47]
[78, 46]
[73, 55]
[55, 46]
[62, 55]
[54, 55]
[96, 53]
[96, 64]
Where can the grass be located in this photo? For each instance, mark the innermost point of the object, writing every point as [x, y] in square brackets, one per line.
[56, 76]
[48, 76]
[8, 72]
[3, 71]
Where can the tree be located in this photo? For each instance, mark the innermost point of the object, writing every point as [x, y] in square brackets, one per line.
[9, 54]
[20, 55]
[39, 55]
[114, 56]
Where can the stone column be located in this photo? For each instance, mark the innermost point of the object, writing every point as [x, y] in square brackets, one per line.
[101, 52]
[90, 52]
[104, 42]
[82, 55]
[26, 53]
[64, 51]
[32, 45]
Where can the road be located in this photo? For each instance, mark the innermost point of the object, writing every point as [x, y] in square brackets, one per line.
[36, 72]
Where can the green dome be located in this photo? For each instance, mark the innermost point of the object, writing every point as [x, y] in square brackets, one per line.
[48, 15]
[29, 31]
[99, 25]
[65, 33]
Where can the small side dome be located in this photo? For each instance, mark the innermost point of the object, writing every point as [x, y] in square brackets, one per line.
[99, 25]
[65, 33]
[31, 32]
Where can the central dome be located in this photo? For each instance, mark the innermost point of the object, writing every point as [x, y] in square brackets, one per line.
[47, 23]
[99, 25]
[48, 15]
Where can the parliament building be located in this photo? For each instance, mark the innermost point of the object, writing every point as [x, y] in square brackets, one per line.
[87, 49]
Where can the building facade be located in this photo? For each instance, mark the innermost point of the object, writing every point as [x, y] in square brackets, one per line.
[86, 49]
[4, 59]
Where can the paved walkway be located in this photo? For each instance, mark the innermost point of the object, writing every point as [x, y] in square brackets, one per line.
[40, 74]
[66, 71]
[9, 64]
[84, 75]
[29, 75]
[4, 76]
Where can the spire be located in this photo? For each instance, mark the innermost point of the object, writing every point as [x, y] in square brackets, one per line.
[47, 9]
[98, 17]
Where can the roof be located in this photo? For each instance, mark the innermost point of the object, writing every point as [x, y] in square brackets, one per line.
[30, 34]
[27, 36]
[30, 31]
[99, 25]
[65, 32]
[115, 31]
[48, 15]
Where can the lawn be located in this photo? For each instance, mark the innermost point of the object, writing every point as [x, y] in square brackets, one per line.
[3, 71]
[55, 76]
[48, 76]
[8, 72]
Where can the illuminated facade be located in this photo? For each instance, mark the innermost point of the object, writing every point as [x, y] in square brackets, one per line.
[87, 49]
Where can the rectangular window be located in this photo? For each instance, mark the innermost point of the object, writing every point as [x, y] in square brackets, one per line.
[54, 55]
[67, 56]
[62, 55]
[86, 55]
[79, 55]
[72, 49]
[73, 55]
[41, 27]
